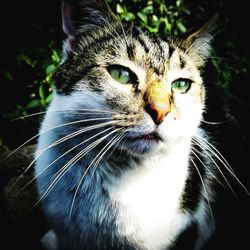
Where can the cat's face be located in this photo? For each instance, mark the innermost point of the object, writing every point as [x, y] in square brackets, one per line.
[151, 88]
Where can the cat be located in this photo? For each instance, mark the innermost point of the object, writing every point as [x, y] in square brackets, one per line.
[122, 161]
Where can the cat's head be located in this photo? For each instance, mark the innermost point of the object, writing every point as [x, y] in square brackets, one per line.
[151, 88]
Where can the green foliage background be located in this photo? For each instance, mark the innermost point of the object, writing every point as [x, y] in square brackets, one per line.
[30, 73]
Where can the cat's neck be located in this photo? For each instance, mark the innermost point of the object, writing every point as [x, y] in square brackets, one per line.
[140, 194]
[165, 158]
[165, 162]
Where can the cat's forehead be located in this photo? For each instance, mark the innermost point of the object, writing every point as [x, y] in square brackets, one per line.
[134, 45]
[148, 50]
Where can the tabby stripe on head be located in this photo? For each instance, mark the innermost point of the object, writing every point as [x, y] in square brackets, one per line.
[157, 42]
[65, 81]
[143, 44]
[131, 51]
[182, 62]
[138, 35]
[171, 51]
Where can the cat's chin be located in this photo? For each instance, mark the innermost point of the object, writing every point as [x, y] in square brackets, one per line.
[142, 144]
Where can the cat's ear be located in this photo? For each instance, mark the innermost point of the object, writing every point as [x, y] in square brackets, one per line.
[198, 44]
[79, 16]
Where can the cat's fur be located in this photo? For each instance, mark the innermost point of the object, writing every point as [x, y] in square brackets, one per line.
[143, 183]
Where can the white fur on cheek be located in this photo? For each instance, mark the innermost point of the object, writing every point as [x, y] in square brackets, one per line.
[82, 99]
[183, 124]
[76, 102]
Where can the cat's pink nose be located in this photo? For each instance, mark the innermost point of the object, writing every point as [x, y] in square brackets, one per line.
[157, 111]
[157, 101]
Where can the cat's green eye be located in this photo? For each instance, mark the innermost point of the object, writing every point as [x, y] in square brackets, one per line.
[121, 74]
[181, 85]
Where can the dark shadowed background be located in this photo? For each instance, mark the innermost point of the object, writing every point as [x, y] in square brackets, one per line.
[31, 39]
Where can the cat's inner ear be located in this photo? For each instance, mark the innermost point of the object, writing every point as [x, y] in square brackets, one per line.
[198, 43]
[80, 16]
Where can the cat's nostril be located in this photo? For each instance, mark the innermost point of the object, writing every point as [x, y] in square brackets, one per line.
[157, 112]
[151, 112]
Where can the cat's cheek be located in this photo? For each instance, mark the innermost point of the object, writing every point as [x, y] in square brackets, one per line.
[169, 130]
[174, 128]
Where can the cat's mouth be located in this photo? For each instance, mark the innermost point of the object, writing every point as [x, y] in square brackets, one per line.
[150, 137]
[138, 144]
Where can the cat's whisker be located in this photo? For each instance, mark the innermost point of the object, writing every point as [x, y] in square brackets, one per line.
[199, 47]
[62, 171]
[123, 31]
[209, 59]
[115, 141]
[224, 162]
[26, 116]
[210, 172]
[70, 163]
[215, 152]
[205, 191]
[114, 44]
[119, 38]
[69, 136]
[130, 30]
[50, 129]
[85, 129]
[97, 110]
[218, 57]
[212, 123]
[101, 139]
[116, 38]
[77, 111]
[88, 168]
[214, 162]
[61, 140]
[105, 29]
[65, 153]
[123, 135]
[77, 157]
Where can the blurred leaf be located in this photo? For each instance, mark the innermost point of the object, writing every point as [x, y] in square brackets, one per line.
[143, 17]
[56, 57]
[119, 9]
[49, 98]
[163, 8]
[129, 16]
[147, 10]
[25, 58]
[8, 75]
[178, 3]
[41, 92]
[51, 69]
[181, 27]
[33, 104]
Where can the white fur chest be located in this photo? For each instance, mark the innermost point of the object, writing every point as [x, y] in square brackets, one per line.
[148, 198]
